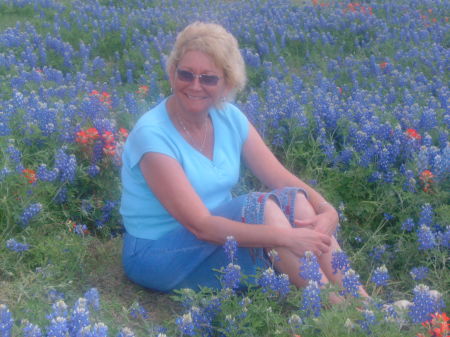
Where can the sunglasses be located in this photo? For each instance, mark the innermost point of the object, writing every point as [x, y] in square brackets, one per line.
[187, 76]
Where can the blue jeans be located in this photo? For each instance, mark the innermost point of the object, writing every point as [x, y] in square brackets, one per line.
[179, 260]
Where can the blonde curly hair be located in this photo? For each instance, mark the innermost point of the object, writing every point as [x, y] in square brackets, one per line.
[215, 41]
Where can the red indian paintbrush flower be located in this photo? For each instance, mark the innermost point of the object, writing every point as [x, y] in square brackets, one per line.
[30, 175]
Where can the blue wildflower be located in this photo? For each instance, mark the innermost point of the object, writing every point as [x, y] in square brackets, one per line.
[125, 332]
[58, 327]
[311, 302]
[59, 309]
[16, 246]
[408, 225]
[6, 321]
[425, 303]
[340, 261]
[93, 298]
[30, 330]
[232, 276]
[419, 273]
[368, 321]
[137, 311]
[351, 283]
[185, 324]
[79, 317]
[426, 215]
[30, 212]
[295, 321]
[426, 238]
[309, 268]
[380, 276]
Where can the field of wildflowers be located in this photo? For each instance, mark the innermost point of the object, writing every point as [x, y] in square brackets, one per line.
[353, 97]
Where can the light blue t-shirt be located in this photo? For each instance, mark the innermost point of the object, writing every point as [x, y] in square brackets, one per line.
[144, 216]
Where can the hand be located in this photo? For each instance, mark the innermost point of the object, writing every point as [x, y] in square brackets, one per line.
[325, 223]
[306, 239]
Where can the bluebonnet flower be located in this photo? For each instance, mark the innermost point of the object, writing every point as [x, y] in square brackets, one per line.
[424, 304]
[138, 311]
[426, 215]
[380, 276]
[391, 314]
[66, 164]
[295, 321]
[93, 170]
[408, 225]
[79, 317]
[201, 321]
[230, 248]
[30, 330]
[309, 268]
[368, 321]
[232, 276]
[61, 196]
[4, 172]
[44, 174]
[351, 283]
[96, 330]
[340, 261]
[6, 321]
[426, 238]
[16, 246]
[185, 324]
[267, 279]
[93, 298]
[30, 212]
[419, 273]
[311, 301]
[126, 332]
[58, 327]
[378, 252]
[270, 281]
[59, 309]
[106, 210]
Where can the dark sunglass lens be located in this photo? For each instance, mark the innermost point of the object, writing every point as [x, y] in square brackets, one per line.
[185, 75]
[209, 79]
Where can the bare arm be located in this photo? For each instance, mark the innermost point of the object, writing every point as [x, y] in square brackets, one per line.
[263, 163]
[168, 182]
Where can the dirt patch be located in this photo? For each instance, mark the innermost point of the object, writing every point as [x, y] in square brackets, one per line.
[105, 272]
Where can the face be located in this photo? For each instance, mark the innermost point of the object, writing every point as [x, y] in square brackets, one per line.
[195, 97]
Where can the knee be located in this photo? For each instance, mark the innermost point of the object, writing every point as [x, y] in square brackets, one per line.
[273, 215]
[303, 208]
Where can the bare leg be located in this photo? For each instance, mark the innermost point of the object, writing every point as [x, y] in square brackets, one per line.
[288, 263]
[303, 209]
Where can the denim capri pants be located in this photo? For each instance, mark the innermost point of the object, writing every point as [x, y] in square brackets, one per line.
[179, 260]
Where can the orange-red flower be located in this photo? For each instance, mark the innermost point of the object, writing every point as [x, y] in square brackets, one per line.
[30, 175]
[383, 65]
[437, 326]
[123, 132]
[143, 89]
[413, 134]
[92, 133]
[108, 137]
[82, 138]
[109, 149]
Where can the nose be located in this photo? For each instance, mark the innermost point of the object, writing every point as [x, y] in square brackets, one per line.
[196, 83]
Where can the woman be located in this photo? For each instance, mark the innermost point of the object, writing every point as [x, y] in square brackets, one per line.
[180, 163]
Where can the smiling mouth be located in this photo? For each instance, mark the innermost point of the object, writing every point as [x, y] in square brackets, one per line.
[197, 98]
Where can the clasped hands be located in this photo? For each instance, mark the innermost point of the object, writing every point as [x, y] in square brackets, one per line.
[316, 233]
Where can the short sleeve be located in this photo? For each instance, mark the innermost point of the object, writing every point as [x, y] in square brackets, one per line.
[148, 139]
[239, 121]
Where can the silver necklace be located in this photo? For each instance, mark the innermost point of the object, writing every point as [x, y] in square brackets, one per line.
[192, 140]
